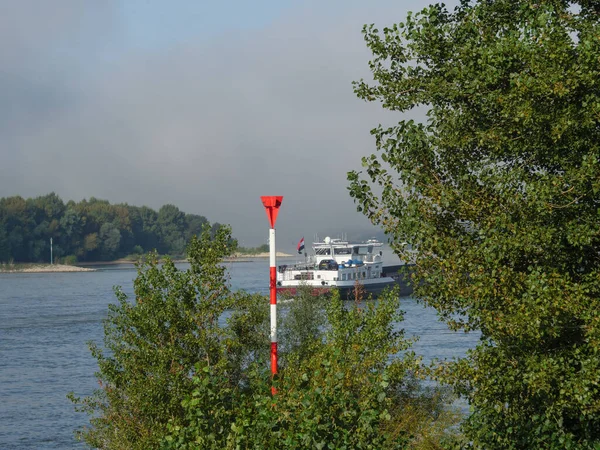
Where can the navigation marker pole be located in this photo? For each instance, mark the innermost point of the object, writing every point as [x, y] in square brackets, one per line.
[272, 204]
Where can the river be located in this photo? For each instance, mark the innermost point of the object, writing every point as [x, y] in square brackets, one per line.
[46, 319]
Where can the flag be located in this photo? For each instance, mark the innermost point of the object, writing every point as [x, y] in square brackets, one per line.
[301, 246]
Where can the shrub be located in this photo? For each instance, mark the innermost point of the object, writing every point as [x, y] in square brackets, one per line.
[348, 385]
[186, 366]
[69, 260]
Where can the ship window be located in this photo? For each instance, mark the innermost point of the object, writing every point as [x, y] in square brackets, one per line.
[323, 251]
[343, 277]
[342, 251]
[318, 276]
[304, 276]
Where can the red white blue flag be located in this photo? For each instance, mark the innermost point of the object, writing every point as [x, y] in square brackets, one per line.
[301, 245]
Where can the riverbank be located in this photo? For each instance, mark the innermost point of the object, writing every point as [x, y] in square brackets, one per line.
[236, 257]
[42, 268]
[261, 255]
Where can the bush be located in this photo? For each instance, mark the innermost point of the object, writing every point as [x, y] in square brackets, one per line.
[186, 366]
[69, 260]
[342, 385]
[152, 345]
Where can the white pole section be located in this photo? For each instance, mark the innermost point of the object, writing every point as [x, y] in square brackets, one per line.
[273, 297]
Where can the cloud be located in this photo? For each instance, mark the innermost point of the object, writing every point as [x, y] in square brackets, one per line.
[208, 124]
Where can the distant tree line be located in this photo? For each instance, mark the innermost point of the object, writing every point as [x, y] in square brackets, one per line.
[90, 230]
[253, 250]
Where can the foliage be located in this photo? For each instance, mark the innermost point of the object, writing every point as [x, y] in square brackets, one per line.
[152, 345]
[185, 366]
[301, 323]
[336, 388]
[69, 260]
[499, 191]
[90, 230]
[253, 250]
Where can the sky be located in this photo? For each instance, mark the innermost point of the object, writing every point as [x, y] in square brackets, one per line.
[204, 105]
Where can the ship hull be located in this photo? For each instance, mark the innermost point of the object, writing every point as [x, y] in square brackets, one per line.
[348, 292]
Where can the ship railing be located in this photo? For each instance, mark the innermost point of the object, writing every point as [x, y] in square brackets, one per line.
[298, 274]
[286, 268]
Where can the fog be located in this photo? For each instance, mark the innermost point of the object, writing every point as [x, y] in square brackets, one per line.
[180, 102]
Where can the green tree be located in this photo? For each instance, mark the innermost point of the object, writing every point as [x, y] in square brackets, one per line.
[38, 243]
[342, 386]
[302, 323]
[71, 229]
[92, 229]
[193, 225]
[149, 238]
[4, 249]
[499, 191]
[171, 222]
[15, 223]
[185, 366]
[90, 243]
[123, 220]
[153, 342]
[110, 238]
[51, 204]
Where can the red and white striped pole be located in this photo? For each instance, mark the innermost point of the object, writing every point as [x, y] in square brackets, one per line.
[272, 204]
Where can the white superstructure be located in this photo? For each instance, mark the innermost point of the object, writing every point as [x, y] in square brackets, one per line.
[338, 263]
